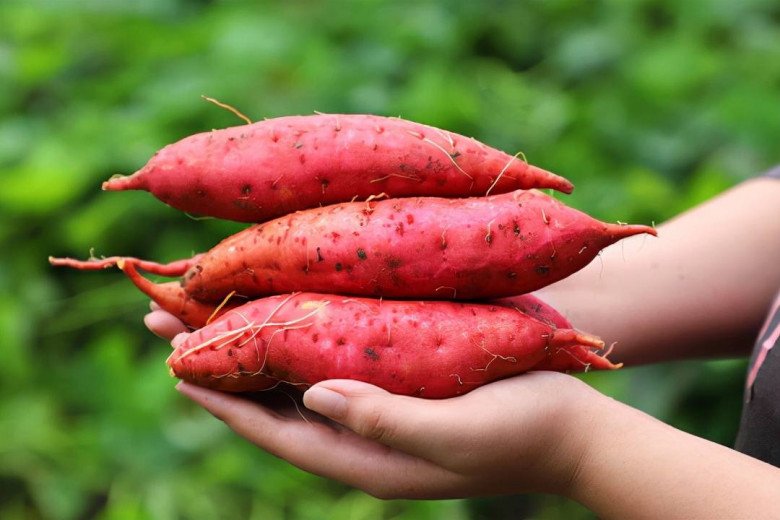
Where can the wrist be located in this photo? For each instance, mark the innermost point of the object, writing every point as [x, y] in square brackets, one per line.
[600, 426]
[632, 465]
[573, 436]
[594, 421]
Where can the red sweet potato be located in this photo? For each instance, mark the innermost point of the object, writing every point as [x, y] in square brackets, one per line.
[260, 171]
[172, 298]
[432, 349]
[421, 248]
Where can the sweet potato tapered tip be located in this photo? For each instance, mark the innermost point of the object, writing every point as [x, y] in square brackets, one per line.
[170, 296]
[133, 181]
[175, 268]
[587, 340]
[553, 180]
[628, 230]
[84, 265]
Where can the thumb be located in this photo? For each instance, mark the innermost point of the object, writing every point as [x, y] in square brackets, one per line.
[412, 425]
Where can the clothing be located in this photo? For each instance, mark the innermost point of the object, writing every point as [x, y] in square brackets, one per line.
[759, 430]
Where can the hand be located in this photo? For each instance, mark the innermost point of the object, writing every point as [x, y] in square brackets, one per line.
[164, 324]
[510, 436]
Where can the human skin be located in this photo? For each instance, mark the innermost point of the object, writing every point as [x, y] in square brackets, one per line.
[700, 290]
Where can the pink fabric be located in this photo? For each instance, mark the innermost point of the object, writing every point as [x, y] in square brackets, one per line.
[766, 345]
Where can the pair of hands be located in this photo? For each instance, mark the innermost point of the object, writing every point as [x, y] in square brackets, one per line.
[526, 433]
[664, 300]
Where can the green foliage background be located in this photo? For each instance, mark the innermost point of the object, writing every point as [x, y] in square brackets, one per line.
[648, 106]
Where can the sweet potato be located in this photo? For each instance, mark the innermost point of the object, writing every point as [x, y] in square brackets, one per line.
[422, 248]
[260, 171]
[432, 349]
[172, 298]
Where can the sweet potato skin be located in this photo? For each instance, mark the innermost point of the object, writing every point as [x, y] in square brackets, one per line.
[421, 248]
[536, 308]
[431, 349]
[255, 172]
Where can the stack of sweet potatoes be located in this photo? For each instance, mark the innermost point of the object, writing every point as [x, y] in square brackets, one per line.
[383, 250]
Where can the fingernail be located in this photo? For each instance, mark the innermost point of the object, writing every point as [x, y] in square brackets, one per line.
[326, 402]
[189, 390]
[179, 338]
[202, 397]
[182, 387]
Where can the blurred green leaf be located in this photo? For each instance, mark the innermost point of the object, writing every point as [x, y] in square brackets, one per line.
[649, 106]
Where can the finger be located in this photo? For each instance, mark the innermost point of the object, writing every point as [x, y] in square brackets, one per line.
[423, 428]
[178, 339]
[338, 455]
[219, 404]
[287, 401]
[154, 306]
[163, 324]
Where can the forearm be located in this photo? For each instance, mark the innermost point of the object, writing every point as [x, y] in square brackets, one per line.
[637, 467]
[700, 289]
